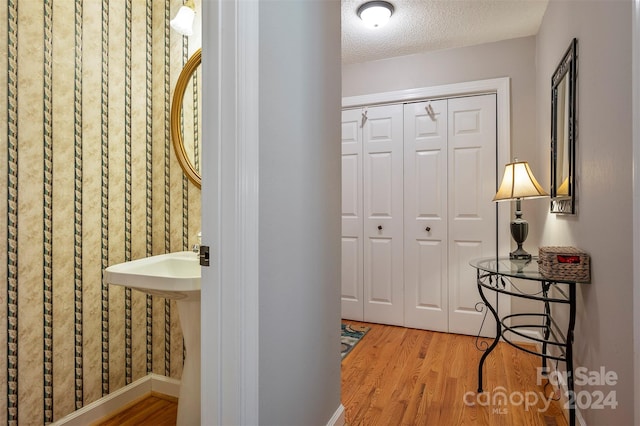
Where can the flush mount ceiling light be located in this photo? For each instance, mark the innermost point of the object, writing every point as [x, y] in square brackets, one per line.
[183, 22]
[375, 13]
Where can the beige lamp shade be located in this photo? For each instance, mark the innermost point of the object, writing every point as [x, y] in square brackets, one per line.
[518, 182]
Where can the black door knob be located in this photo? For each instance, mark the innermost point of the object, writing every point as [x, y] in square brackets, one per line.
[428, 229]
[379, 227]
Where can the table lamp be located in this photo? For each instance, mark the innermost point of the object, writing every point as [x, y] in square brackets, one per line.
[518, 182]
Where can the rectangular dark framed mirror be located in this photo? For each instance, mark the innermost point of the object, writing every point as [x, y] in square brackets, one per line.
[563, 133]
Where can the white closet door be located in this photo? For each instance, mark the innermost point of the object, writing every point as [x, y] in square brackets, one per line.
[352, 246]
[472, 214]
[382, 136]
[425, 203]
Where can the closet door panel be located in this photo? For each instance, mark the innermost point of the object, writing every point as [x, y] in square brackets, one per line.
[425, 235]
[472, 214]
[352, 218]
[468, 170]
[351, 192]
[382, 134]
[381, 271]
[380, 181]
[351, 273]
[429, 296]
[429, 183]
[463, 298]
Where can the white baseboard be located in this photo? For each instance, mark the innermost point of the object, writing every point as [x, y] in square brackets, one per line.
[338, 417]
[165, 385]
[531, 333]
[114, 401]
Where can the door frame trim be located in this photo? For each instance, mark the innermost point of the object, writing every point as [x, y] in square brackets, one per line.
[230, 198]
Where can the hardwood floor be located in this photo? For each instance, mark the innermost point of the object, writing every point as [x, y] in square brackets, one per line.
[399, 376]
[152, 410]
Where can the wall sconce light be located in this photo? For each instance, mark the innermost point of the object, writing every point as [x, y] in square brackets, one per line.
[375, 13]
[518, 182]
[183, 22]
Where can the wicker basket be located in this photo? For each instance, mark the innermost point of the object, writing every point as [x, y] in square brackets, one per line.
[564, 263]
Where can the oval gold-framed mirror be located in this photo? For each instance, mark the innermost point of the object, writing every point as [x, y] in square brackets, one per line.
[184, 157]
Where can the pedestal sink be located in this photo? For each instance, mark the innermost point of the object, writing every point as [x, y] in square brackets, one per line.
[172, 276]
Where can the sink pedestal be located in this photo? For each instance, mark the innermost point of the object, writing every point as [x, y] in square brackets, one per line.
[173, 276]
[189, 400]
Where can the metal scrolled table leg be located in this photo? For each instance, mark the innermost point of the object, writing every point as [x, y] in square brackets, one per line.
[569, 354]
[547, 324]
[498, 331]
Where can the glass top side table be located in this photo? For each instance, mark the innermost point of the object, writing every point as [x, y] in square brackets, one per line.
[493, 276]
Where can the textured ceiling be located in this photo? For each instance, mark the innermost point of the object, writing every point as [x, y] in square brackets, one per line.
[424, 25]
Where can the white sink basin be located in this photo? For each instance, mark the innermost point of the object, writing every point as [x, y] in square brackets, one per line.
[172, 275]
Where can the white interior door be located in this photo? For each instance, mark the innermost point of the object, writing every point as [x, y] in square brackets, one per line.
[472, 214]
[417, 184]
[425, 204]
[382, 140]
[352, 206]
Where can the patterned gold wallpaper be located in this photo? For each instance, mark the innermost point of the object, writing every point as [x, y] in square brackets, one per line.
[90, 179]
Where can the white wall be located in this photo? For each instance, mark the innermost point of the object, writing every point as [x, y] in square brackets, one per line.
[603, 224]
[299, 244]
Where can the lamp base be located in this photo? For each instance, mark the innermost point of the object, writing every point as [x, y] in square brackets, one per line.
[520, 254]
[519, 231]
